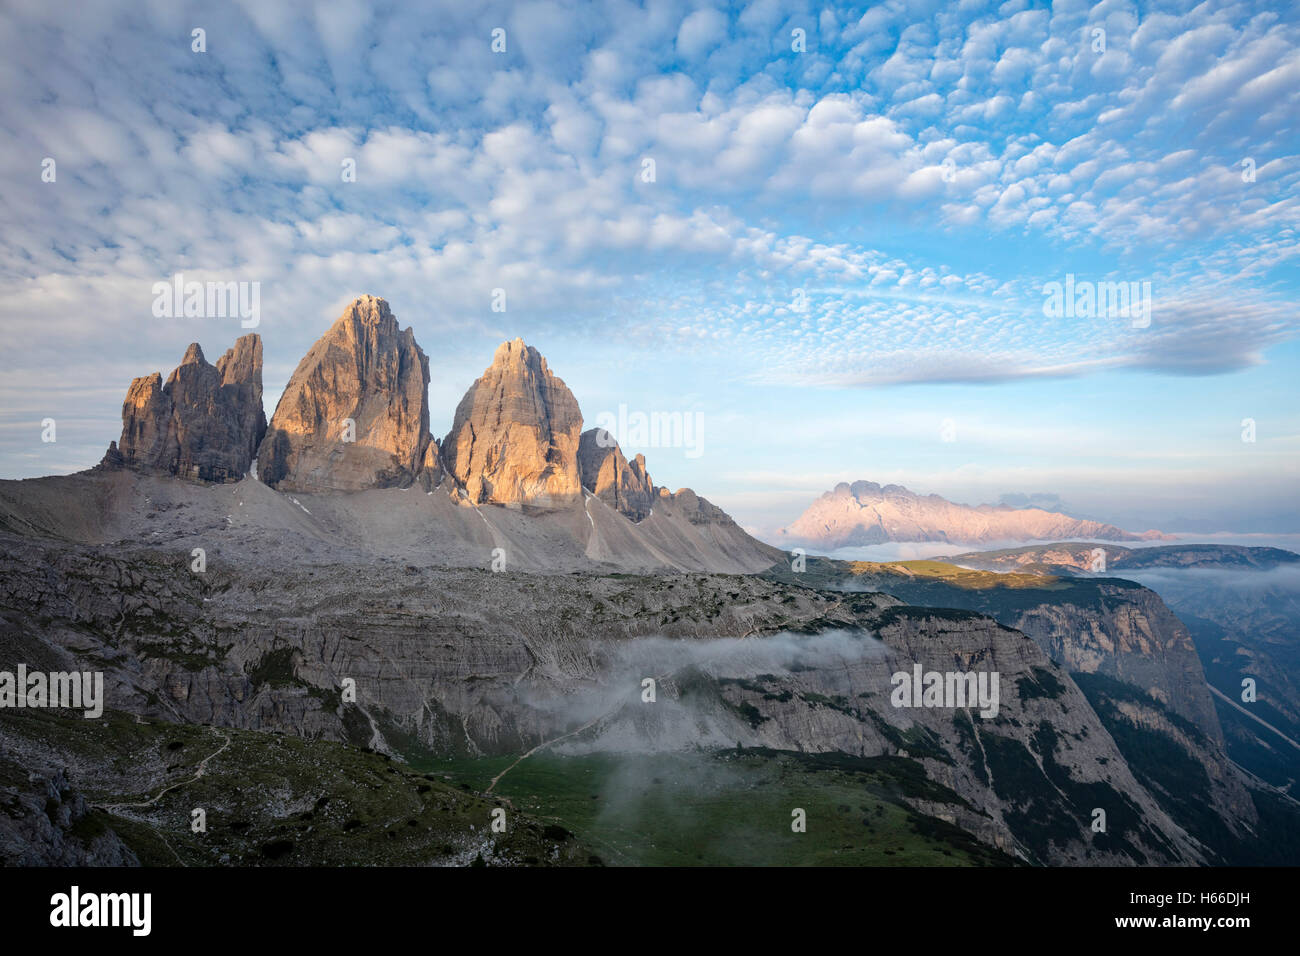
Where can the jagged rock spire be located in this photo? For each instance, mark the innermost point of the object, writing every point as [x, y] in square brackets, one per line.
[606, 473]
[355, 414]
[204, 423]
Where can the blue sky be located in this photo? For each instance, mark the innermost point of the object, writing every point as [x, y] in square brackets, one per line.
[912, 177]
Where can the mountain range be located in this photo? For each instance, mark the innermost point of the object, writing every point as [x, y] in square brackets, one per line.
[347, 463]
[864, 513]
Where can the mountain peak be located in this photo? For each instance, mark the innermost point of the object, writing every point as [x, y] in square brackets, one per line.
[355, 414]
[515, 436]
[367, 310]
[516, 353]
[864, 513]
[205, 422]
[194, 355]
[354, 417]
[242, 362]
[624, 486]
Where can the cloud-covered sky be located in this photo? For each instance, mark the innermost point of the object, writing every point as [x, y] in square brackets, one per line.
[839, 261]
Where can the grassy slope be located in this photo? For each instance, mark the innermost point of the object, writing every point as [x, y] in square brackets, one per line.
[272, 799]
[734, 807]
[955, 576]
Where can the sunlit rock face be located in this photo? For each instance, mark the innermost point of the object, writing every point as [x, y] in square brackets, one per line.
[515, 436]
[864, 513]
[606, 473]
[205, 423]
[355, 414]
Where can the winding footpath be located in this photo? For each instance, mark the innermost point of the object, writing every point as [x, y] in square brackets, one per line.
[199, 771]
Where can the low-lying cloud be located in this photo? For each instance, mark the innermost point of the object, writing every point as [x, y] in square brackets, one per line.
[614, 704]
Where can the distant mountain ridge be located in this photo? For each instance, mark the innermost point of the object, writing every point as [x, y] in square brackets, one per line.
[865, 513]
[1069, 557]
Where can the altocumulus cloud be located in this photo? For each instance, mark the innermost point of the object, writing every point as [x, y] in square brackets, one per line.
[811, 212]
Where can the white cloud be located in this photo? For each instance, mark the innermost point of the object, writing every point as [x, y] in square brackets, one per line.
[700, 32]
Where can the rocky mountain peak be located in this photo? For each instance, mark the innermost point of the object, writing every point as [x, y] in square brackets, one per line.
[518, 350]
[515, 436]
[369, 312]
[205, 422]
[355, 414]
[241, 364]
[606, 473]
[865, 513]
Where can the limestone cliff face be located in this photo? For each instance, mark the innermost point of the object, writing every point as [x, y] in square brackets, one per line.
[146, 418]
[205, 422]
[606, 473]
[516, 433]
[486, 666]
[47, 820]
[431, 469]
[241, 376]
[698, 511]
[1092, 626]
[1131, 635]
[355, 414]
[1129, 653]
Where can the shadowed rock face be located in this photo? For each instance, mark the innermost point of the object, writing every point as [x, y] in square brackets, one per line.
[516, 433]
[205, 423]
[606, 473]
[455, 660]
[355, 414]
